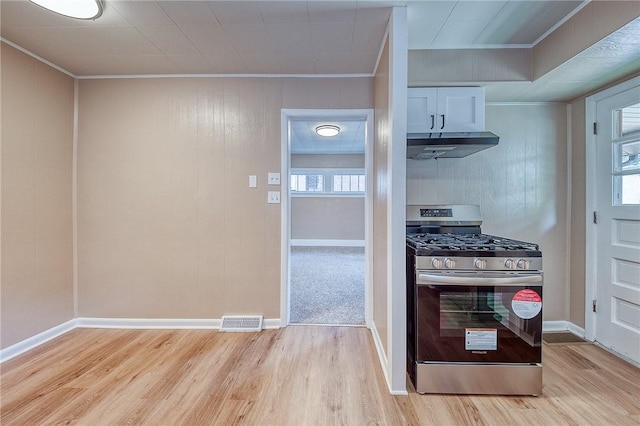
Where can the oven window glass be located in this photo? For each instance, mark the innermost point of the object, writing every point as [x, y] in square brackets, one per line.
[479, 323]
[461, 310]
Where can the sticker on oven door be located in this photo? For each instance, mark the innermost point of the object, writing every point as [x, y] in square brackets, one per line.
[480, 339]
[526, 304]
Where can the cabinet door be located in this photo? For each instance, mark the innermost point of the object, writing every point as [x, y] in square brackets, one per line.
[421, 110]
[460, 109]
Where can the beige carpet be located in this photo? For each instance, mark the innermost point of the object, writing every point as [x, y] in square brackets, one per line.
[327, 285]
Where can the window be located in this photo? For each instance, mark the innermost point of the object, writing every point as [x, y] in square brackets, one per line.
[626, 156]
[307, 183]
[328, 181]
[348, 183]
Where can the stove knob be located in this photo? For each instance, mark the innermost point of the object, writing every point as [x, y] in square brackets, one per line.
[436, 263]
[510, 264]
[523, 264]
[480, 264]
[450, 263]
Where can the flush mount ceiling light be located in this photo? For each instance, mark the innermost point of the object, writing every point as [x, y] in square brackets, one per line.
[79, 9]
[328, 130]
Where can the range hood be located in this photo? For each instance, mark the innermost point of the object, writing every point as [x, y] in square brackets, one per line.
[427, 146]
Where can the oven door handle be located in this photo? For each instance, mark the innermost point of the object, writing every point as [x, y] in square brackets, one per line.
[458, 280]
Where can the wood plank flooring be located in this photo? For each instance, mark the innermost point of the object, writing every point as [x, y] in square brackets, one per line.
[300, 375]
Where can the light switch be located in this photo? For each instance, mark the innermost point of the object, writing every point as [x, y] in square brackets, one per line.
[273, 197]
[274, 179]
[253, 181]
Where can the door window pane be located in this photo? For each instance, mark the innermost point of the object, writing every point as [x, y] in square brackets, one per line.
[626, 173]
[627, 156]
[628, 120]
[627, 189]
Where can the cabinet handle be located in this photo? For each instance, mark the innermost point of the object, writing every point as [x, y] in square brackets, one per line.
[442, 122]
[433, 121]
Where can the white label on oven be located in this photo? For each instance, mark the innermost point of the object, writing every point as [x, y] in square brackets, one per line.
[480, 339]
[526, 304]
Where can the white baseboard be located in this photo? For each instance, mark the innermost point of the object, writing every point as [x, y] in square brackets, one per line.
[271, 323]
[35, 341]
[578, 331]
[382, 356]
[551, 326]
[123, 323]
[162, 323]
[149, 323]
[326, 243]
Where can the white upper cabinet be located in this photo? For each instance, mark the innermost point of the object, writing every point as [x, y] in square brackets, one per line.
[445, 109]
[422, 107]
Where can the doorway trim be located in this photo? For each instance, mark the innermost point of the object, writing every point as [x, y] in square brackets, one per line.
[286, 116]
[591, 237]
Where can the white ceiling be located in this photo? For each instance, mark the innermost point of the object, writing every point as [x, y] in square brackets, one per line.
[461, 24]
[304, 139]
[264, 37]
[205, 37]
[308, 37]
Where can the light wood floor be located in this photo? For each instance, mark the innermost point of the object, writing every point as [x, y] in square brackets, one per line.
[301, 375]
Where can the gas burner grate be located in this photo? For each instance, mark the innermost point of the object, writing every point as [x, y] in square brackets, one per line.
[467, 242]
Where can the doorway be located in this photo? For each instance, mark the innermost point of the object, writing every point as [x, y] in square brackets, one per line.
[326, 218]
[327, 285]
[616, 223]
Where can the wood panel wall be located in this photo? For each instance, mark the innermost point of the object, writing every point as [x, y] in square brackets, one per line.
[380, 195]
[37, 153]
[167, 225]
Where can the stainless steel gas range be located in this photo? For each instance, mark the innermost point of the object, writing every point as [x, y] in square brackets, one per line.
[474, 306]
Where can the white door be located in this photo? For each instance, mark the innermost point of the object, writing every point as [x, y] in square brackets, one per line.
[618, 223]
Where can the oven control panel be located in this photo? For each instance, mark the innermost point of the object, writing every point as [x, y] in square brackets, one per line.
[436, 213]
[479, 263]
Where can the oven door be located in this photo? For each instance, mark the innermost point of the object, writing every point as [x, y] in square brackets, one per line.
[486, 317]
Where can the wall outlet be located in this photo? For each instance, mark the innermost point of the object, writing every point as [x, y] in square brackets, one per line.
[274, 179]
[273, 197]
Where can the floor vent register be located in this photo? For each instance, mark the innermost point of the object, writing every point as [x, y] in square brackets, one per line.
[562, 338]
[246, 323]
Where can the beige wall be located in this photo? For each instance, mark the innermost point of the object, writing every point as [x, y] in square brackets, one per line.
[454, 66]
[521, 186]
[327, 218]
[167, 226]
[327, 161]
[382, 134]
[37, 149]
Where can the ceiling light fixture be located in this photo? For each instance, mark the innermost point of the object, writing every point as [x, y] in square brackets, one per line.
[328, 130]
[79, 9]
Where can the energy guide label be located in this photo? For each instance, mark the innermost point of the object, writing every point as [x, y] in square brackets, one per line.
[526, 304]
[480, 339]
